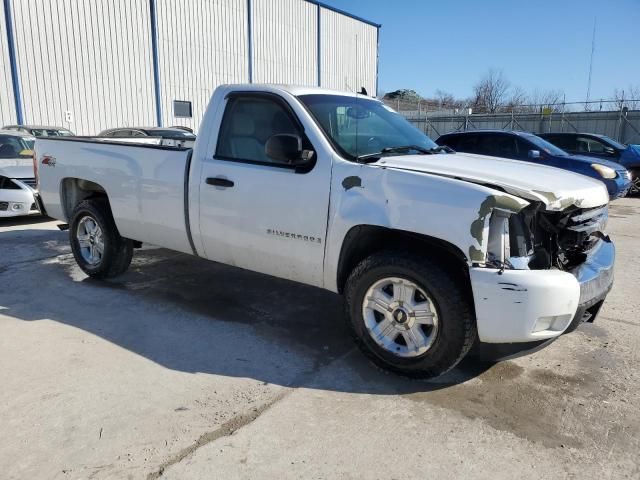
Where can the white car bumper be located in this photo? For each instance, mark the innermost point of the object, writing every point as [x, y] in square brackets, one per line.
[528, 305]
[17, 202]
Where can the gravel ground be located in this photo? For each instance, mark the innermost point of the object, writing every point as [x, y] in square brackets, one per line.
[184, 368]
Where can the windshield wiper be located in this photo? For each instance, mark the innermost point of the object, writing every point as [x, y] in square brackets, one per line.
[399, 149]
[442, 149]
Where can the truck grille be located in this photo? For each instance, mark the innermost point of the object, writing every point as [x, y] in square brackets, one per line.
[590, 220]
[564, 239]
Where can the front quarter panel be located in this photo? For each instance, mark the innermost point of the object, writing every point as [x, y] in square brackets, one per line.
[451, 210]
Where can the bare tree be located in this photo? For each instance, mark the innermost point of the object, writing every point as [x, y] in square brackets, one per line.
[517, 101]
[629, 97]
[444, 99]
[490, 92]
[547, 99]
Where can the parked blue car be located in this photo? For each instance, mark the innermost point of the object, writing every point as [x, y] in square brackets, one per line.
[601, 146]
[531, 148]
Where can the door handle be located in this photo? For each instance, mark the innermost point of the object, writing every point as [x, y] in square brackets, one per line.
[220, 182]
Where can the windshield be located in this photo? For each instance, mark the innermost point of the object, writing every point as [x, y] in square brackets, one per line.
[359, 126]
[50, 132]
[612, 142]
[547, 147]
[29, 142]
[11, 146]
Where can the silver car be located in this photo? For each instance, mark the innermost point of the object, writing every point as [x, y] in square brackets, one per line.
[17, 180]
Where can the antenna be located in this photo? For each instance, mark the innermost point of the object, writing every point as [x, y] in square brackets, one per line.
[593, 48]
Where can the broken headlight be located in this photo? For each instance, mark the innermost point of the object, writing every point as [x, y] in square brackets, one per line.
[510, 242]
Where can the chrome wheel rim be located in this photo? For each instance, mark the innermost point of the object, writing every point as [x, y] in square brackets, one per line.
[90, 240]
[635, 186]
[400, 317]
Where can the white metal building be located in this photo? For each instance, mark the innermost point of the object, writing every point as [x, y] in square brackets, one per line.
[92, 65]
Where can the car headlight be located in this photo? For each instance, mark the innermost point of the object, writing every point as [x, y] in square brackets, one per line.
[498, 246]
[605, 172]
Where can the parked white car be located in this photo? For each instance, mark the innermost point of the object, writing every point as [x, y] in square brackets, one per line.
[17, 182]
[434, 250]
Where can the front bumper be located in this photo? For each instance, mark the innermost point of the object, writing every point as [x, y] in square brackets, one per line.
[618, 187]
[15, 203]
[515, 306]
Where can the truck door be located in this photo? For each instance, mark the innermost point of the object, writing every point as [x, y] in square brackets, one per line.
[256, 212]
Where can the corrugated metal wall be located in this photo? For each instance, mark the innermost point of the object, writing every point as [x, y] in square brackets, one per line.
[7, 104]
[89, 65]
[349, 52]
[199, 48]
[285, 48]
[89, 58]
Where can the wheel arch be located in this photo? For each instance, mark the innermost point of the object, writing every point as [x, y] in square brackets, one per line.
[362, 241]
[75, 190]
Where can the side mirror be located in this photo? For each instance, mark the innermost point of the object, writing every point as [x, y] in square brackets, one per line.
[610, 151]
[284, 147]
[534, 154]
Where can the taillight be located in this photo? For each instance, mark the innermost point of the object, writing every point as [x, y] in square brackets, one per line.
[35, 171]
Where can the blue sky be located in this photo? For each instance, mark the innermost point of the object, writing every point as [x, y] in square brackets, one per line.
[431, 44]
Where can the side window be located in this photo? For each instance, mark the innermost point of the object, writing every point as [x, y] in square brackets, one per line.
[10, 147]
[565, 142]
[468, 143]
[451, 141]
[247, 124]
[499, 146]
[590, 145]
[524, 147]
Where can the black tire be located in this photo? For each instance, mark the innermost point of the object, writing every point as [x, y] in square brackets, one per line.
[456, 330]
[118, 251]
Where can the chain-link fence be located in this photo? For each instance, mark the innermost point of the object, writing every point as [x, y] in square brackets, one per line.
[601, 117]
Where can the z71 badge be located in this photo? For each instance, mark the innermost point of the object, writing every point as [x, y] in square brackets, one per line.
[295, 236]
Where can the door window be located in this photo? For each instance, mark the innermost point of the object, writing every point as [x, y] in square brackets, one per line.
[248, 123]
[498, 146]
[589, 145]
[565, 142]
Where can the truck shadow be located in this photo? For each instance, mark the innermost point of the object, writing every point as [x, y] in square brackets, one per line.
[24, 221]
[191, 315]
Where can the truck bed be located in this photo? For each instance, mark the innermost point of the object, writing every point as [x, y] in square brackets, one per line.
[145, 185]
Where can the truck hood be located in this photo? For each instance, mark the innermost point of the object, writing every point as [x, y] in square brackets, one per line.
[556, 188]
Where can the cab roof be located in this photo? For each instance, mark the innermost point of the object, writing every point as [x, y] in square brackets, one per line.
[295, 90]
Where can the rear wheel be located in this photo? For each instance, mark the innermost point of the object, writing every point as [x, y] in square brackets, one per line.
[97, 246]
[409, 315]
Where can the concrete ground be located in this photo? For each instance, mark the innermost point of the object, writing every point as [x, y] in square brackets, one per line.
[183, 368]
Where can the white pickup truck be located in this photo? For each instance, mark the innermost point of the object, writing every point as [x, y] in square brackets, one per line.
[433, 250]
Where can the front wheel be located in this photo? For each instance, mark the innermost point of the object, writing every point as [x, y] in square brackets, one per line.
[409, 315]
[97, 246]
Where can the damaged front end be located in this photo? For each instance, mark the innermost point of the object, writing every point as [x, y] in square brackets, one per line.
[557, 263]
[536, 239]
